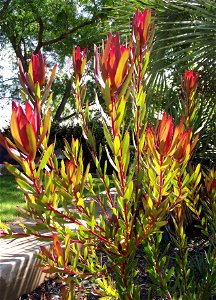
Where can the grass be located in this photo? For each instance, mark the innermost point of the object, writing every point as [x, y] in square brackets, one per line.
[11, 197]
[97, 186]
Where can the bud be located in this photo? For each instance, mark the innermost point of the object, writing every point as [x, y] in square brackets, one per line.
[79, 61]
[36, 75]
[25, 128]
[36, 72]
[165, 140]
[140, 27]
[37, 69]
[182, 148]
[112, 64]
[71, 172]
[165, 134]
[27, 131]
[190, 83]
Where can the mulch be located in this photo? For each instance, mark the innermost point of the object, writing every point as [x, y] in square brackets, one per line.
[51, 288]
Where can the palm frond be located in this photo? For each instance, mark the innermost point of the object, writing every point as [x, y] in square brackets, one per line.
[185, 38]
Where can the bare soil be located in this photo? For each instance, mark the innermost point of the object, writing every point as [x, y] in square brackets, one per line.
[51, 288]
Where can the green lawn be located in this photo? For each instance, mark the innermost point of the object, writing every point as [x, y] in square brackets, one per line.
[10, 197]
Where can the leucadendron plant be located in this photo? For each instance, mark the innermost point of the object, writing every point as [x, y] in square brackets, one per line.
[95, 240]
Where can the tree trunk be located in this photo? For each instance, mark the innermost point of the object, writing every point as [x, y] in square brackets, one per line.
[63, 102]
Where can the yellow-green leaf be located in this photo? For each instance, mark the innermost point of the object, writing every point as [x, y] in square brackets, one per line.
[46, 157]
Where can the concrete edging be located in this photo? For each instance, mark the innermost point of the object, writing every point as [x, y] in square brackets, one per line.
[18, 274]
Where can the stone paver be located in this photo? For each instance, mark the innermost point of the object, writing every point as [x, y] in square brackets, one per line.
[18, 274]
[18, 271]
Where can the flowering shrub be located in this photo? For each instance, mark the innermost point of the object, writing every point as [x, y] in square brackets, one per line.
[156, 185]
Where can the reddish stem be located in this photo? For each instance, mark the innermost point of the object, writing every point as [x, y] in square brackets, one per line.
[99, 236]
[125, 281]
[83, 210]
[95, 157]
[160, 181]
[111, 202]
[34, 179]
[158, 270]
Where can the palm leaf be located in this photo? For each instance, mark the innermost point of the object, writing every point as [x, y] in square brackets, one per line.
[185, 38]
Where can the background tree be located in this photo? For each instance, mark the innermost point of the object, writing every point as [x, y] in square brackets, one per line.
[56, 26]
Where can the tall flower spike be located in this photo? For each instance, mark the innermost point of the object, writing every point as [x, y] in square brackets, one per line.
[141, 24]
[112, 64]
[79, 61]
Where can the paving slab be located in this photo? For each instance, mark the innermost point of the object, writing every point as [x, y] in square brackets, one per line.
[18, 272]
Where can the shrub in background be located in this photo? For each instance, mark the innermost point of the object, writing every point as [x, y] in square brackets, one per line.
[156, 184]
[59, 133]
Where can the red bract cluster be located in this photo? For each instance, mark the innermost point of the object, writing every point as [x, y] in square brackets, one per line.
[169, 141]
[111, 65]
[190, 82]
[164, 138]
[26, 127]
[36, 72]
[28, 116]
[33, 81]
[141, 24]
[79, 61]
[37, 69]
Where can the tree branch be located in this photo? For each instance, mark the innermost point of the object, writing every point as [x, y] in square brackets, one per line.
[63, 101]
[67, 117]
[18, 51]
[7, 79]
[65, 34]
[40, 35]
[4, 8]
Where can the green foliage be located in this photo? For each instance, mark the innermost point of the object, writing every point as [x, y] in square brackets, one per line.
[180, 43]
[54, 26]
[97, 238]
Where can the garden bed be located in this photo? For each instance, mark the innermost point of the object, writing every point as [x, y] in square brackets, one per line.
[51, 288]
